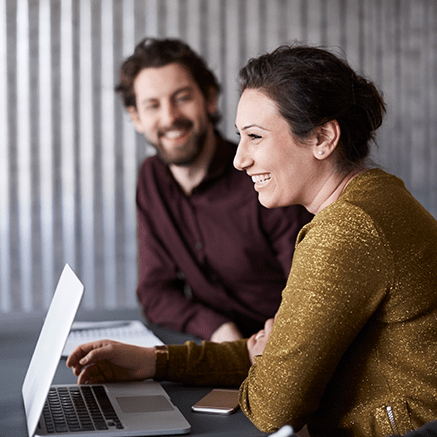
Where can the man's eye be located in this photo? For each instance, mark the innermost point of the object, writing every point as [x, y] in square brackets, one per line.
[184, 98]
[151, 107]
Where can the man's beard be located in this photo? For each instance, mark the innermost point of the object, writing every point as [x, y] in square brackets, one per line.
[190, 151]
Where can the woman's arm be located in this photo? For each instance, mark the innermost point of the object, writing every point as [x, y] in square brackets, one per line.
[108, 361]
[340, 274]
[218, 364]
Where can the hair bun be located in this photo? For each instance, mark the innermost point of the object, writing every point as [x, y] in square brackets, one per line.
[369, 101]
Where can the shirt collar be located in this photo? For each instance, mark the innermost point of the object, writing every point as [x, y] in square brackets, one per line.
[221, 162]
[223, 156]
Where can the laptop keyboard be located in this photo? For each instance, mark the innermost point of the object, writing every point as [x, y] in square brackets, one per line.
[79, 408]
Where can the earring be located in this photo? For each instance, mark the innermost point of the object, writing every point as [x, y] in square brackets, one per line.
[321, 152]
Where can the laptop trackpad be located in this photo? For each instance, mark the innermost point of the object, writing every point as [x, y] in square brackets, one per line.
[144, 404]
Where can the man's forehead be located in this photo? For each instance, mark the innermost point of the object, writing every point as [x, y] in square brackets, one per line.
[153, 83]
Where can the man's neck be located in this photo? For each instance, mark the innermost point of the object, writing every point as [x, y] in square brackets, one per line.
[190, 176]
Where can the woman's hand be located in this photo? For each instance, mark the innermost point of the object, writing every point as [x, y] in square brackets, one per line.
[257, 343]
[108, 361]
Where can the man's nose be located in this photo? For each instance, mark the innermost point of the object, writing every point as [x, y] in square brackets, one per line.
[169, 113]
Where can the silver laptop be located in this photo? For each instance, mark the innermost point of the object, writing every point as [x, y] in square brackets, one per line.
[116, 409]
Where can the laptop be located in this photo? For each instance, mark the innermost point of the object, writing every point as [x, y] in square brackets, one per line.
[116, 409]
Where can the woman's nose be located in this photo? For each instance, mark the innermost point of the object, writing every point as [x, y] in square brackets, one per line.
[242, 160]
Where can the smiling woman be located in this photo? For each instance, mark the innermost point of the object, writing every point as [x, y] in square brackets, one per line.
[351, 350]
[322, 134]
[266, 144]
[307, 121]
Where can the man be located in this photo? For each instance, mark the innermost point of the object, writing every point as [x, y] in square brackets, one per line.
[212, 261]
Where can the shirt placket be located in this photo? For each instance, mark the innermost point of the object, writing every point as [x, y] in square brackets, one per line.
[198, 242]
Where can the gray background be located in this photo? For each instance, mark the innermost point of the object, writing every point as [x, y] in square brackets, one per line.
[69, 157]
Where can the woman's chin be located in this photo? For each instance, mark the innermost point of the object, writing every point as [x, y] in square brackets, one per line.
[267, 203]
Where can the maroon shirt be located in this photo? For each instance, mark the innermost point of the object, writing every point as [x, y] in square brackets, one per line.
[215, 256]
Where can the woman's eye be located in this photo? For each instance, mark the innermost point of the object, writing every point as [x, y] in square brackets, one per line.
[254, 136]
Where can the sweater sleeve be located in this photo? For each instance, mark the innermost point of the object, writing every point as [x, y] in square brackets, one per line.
[208, 364]
[328, 299]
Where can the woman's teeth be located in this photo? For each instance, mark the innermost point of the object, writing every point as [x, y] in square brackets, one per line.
[260, 179]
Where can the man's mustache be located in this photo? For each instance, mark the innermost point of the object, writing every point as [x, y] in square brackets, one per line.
[182, 123]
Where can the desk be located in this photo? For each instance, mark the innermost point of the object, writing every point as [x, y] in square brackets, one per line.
[17, 341]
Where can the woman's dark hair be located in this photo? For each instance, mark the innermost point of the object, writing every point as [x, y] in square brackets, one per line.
[156, 53]
[312, 86]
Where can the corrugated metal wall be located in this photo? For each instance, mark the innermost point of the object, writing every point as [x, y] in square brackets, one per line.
[69, 157]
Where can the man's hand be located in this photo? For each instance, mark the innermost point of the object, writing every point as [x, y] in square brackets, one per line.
[109, 361]
[226, 332]
[257, 343]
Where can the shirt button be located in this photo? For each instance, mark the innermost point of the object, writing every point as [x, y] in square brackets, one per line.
[198, 245]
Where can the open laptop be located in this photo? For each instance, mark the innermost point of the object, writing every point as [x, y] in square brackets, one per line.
[127, 409]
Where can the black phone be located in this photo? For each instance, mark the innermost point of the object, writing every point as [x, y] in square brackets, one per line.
[218, 401]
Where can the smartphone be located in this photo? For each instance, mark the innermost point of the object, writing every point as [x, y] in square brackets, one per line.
[218, 401]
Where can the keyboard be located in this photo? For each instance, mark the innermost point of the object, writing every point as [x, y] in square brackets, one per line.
[79, 408]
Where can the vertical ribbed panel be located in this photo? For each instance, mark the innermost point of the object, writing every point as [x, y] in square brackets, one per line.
[108, 153]
[46, 161]
[130, 168]
[86, 150]
[5, 204]
[69, 155]
[23, 150]
[68, 131]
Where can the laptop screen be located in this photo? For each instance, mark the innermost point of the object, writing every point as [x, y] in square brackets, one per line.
[50, 344]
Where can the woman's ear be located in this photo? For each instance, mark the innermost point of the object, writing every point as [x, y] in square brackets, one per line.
[133, 114]
[328, 136]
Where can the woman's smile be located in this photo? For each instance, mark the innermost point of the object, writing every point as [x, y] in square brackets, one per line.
[261, 179]
[279, 166]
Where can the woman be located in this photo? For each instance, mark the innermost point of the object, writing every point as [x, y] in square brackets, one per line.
[352, 350]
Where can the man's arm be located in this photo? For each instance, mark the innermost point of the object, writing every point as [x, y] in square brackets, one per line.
[161, 294]
[161, 289]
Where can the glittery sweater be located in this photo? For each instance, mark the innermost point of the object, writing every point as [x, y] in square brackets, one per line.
[354, 347]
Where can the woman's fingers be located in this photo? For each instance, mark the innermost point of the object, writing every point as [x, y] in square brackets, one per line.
[108, 360]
